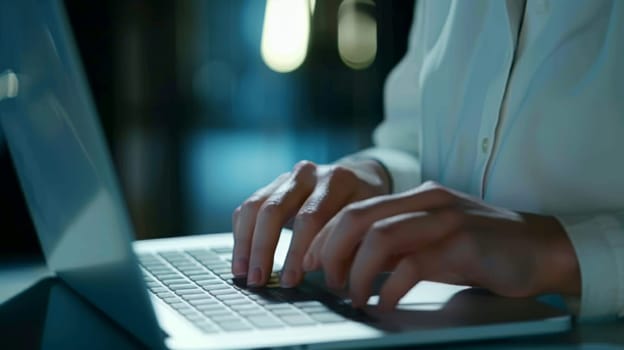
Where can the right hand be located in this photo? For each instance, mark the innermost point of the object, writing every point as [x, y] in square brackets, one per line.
[311, 194]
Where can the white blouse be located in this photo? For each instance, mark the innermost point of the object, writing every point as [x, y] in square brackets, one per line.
[522, 106]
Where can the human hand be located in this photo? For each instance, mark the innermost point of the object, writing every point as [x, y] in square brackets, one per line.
[437, 234]
[310, 193]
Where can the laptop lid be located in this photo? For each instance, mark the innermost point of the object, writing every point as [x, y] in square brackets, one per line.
[66, 174]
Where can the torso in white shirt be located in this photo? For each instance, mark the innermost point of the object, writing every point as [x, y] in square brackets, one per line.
[522, 106]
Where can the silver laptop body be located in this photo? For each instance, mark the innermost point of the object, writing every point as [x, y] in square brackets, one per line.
[177, 292]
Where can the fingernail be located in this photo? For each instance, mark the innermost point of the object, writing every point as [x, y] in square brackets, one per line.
[254, 277]
[288, 278]
[308, 261]
[239, 268]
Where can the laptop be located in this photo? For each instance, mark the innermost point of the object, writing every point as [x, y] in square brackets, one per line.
[179, 293]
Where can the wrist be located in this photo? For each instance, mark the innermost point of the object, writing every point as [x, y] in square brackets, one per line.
[558, 266]
[370, 170]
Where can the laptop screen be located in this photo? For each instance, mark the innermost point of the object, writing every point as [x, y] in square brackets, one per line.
[63, 165]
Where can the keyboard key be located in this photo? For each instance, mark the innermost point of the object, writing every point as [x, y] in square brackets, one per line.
[249, 306]
[201, 276]
[222, 250]
[166, 294]
[195, 318]
[203, 302]
[176, 280]
[235, 326]
[264, 322]
[190, 291]
[196, 296]
[193, 271]
[178, 305]
[281, 306]
[180, 286]
[227, 276]
[213, 309]
[222, 270]
[230, 297]
[161, 271]
[327, 317]
[152, 284]
[297, 320]
[207, 327]
[187, 311]
[224, 291]
[212, 283]
[283, 312]
[223, 318]
[170, 300]
[232, 302]
[169, 276]
[254, 312]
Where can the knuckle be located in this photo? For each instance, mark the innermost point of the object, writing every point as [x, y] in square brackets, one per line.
[270, 208]
[353, 213]
[431, 184]
[352, 217]
[340, 173]
[252, 205]
[443, 194]
[376, 240]
[308, 219]
[378, 235]
[304, 165]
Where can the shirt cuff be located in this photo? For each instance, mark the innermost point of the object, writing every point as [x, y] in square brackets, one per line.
[599, 245]
[402, 167]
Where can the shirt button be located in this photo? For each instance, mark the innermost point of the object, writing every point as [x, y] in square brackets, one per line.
[485, 145]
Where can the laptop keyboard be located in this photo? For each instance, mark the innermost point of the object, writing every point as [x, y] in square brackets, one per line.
[199, 285]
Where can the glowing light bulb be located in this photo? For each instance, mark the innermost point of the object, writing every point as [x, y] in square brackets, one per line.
[357, 33]
[285, 34]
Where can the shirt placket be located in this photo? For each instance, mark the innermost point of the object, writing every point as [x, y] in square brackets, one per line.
[495, 110]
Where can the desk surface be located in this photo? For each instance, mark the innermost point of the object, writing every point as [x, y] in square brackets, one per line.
[38, 311]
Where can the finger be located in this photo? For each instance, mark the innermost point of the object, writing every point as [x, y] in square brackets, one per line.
[243, 224]
[312, 260]
[329, 196]
[340, 243]
[272, 216]
[398, 235]
[431, 263]
[401, 280]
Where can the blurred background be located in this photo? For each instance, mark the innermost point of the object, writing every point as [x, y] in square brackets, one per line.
[203, 102]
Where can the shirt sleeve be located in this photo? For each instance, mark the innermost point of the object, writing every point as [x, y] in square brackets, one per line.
[396, 141]
[598, 241]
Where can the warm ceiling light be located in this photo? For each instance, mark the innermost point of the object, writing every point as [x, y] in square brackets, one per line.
[357, 33]
[285, 34]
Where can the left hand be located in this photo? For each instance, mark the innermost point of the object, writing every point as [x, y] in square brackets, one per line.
[437, 234]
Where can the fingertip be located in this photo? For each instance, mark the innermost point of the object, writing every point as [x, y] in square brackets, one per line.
[386, 305]
[254, 279]
[240, 266]
[289, 278]
[357, 301]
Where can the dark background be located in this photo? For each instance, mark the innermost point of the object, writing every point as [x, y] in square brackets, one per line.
[196, 121]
